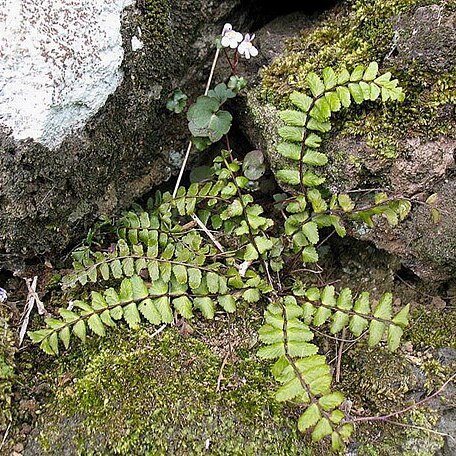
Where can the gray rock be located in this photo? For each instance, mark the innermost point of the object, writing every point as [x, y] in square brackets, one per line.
[83, 125]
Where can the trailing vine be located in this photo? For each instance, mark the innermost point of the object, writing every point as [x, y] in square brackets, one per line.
[213, 246]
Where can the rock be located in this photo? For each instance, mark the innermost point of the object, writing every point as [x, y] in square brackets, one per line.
[407, 149]
[138, 394]
[83, 125]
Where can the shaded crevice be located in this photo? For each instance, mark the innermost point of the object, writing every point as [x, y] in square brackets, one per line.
[264, 12]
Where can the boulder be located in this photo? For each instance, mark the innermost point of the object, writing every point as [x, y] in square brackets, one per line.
[405, 149]
[83, 125]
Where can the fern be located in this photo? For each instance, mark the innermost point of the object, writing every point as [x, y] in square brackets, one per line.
[304, 375]
[211, 247]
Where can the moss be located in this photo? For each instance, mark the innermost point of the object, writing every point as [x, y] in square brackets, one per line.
[379, 382]
[432, 328]
[359, 32]
[140, 394]
[158, 19]
[405, 440]
[7, 368]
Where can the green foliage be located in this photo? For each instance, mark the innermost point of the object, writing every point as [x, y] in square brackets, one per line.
[212, 248]
[304, 125]
[305, 375]
[177, 101]
[302, 137]
[207, 122]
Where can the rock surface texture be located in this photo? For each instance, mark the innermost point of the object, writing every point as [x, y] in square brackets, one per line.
[83, 124]
[407, 149]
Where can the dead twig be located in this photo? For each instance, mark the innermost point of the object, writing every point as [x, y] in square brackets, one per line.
[339, 356]
[407, 409]
[220, 376]
[208, 233]
[5, 435]
[32, 299]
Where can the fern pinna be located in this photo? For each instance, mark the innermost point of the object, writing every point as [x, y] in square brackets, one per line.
[212, 246]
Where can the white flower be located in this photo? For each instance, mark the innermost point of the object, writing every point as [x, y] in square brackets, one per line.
[230, 38]
[3, 295]
[246, 48]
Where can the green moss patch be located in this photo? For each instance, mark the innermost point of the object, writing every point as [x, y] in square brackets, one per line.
[139, 394]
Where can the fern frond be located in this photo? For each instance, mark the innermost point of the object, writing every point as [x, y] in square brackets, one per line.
[155, 301]
[303, 126]
[340, 311]
[304, 375]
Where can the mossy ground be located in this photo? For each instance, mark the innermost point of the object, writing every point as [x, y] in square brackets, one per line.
[137, 393]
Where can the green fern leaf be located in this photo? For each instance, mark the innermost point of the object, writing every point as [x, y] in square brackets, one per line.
[314, 124]
[96, 325]
[313, 141]
[289, 391]
[228, 303]
[288, 176]
[336, 442]
[301, 101]
[293, 118]
[310, 229]
[356, 92]
[344, 96]
[293, 134]
[357, 73]
[150, 312]
[321, 316]
[309, 418]
[371, 72]
[271, 351]
[314, 158]
[376, 331]
[311, 179]
[340, 321]
[106, 319]
[131, 315]
[322, 429]
[328, 297]
[384, 307]
[331, 401]
[309, 254]
[315, 84]
[321, 111]
[401, 318]
[329, 78]
[206, 306]
[184, 306]
[79, 330]
[333, 101]
[343, 77]
[116, 269]
[289, 150]
[65, 336]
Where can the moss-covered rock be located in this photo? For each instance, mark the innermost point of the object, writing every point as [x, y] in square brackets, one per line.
[406, 148]
[144, 394]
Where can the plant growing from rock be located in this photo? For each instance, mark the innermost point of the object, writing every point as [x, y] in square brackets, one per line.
[211, 246]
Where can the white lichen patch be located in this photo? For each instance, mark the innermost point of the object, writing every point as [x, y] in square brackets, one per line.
[59, 62]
